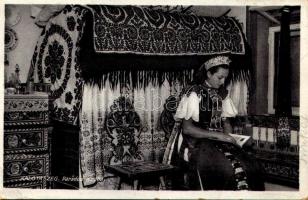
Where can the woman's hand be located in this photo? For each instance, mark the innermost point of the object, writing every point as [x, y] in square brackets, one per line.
[190, 129]
[228, 138]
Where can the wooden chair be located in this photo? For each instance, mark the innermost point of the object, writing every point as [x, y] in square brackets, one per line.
[169, 125]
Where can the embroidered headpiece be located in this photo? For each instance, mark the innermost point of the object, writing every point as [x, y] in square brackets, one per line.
[219, 60]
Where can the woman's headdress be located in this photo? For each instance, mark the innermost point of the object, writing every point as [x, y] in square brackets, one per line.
[218, 60]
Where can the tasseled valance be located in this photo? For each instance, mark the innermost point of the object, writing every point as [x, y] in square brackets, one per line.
[134, 39]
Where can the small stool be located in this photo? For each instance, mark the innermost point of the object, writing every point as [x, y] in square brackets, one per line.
[136, 171]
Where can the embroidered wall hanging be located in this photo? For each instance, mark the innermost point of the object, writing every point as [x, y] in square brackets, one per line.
[123, 127]
[56, 61]
[126, 59]
[141, 30]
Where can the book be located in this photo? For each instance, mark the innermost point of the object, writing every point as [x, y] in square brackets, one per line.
[240, 139]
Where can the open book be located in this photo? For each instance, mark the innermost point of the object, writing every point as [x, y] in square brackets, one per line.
[240, 139]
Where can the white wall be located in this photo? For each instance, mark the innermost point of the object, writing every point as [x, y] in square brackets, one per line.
[239, 12]
[27, 34]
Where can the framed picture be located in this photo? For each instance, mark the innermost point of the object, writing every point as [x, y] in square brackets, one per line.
[273, 39]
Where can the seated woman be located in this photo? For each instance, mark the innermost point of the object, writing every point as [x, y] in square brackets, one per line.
[214, 160]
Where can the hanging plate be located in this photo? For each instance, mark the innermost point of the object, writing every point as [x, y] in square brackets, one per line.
[10, 39]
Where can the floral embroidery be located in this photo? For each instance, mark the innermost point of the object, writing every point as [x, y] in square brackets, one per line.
[67, 9]
[54, 61]
[123, 127]
[68, 97]
[71, 23]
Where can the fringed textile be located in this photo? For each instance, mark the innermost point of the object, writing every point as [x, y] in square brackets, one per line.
[112, 22]
[142, 79]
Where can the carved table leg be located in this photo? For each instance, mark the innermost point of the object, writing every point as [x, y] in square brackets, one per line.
[136, 185]
[119, 183]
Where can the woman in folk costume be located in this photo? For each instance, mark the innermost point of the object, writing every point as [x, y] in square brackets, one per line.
[202, 146]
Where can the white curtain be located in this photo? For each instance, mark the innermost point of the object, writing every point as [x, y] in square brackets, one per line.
[96, 146]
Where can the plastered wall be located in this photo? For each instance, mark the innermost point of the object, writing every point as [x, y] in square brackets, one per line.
[27, 34]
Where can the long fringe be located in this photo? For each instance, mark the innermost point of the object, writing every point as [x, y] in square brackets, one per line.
[141, 79]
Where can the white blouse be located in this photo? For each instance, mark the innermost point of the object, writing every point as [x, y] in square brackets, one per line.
[189, 107]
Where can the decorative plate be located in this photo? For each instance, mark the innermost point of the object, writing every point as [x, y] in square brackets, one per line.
[11, 39]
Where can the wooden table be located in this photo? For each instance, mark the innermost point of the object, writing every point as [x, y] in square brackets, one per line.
[134, 172]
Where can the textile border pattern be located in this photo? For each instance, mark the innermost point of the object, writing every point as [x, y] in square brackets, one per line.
[141, 30]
